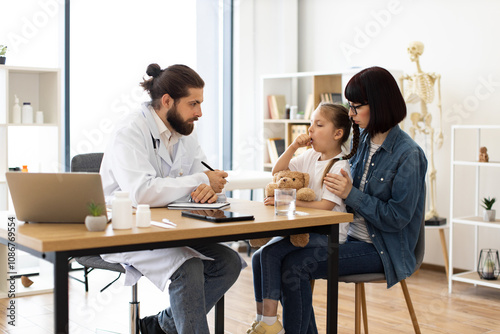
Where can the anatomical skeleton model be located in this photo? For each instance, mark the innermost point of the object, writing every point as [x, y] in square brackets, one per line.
[421, 90]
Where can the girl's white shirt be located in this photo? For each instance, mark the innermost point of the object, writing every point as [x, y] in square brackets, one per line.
[308, 162]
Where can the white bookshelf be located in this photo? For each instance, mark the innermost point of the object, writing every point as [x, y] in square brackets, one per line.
[36, 145]
[296, 88]
[474, 134]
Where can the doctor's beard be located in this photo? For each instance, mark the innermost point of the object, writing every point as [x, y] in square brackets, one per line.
[178, 124]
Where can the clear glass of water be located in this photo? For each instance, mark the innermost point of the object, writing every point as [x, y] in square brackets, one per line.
[284, 202]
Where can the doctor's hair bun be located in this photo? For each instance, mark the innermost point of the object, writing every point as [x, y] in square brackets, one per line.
[154, 70]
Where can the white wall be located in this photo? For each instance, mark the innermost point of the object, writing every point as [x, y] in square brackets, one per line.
[31, 29]
[460, 44]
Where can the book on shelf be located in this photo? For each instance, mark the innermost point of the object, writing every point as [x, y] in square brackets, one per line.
[276, 147]
[276, 105]
[309, 107]
[297, 130]
[331, 97]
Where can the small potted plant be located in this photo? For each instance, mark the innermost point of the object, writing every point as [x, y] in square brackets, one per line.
[489, 214]
[3, 51]
[96, 221]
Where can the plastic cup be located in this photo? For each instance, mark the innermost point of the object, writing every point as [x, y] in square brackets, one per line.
[284, 202]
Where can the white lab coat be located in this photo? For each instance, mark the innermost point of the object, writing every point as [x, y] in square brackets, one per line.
[133, 163]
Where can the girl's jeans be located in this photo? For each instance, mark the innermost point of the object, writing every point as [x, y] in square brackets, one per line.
[266, 264]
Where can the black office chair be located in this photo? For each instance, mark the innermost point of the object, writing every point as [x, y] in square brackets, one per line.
[91, 163]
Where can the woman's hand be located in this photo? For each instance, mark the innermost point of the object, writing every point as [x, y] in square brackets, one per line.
[269, 201]
[339, 185]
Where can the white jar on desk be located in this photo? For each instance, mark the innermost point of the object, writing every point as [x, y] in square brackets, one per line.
[121, 209]
[143, 216]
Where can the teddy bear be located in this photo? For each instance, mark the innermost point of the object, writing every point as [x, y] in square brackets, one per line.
[292, 180]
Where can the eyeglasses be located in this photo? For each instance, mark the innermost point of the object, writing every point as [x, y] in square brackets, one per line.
[354, 109]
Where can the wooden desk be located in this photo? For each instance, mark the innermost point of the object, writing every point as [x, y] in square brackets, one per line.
[57, 242]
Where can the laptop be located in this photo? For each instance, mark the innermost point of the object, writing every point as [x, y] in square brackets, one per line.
[54, 197]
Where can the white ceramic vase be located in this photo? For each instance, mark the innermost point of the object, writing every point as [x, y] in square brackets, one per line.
[489, 215]
[95, 224]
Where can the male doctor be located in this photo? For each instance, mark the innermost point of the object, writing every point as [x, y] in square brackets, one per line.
[155, 156]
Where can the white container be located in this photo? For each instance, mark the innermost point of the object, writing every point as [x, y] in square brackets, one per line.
[27, 113]
[143, 216]
[121, 210]
[16, 111]
[39, 117]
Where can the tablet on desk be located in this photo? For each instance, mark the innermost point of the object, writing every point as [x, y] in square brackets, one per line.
[217, 216]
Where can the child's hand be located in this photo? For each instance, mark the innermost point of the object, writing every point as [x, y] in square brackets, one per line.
[302, 140]
[269, 201]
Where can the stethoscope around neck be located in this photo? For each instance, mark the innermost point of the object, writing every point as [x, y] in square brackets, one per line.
[156, 146]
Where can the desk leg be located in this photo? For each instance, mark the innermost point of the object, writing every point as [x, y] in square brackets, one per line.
[61, 301]
[333, 280]
[219, 316]
[445, 250]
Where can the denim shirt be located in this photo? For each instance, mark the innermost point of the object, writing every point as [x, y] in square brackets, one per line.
[393, 200]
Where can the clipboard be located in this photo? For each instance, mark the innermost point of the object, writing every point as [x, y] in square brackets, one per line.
[217, 216]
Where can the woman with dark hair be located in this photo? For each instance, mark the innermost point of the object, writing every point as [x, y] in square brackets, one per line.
[387, 195]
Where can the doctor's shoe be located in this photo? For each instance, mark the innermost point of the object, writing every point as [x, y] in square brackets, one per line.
[263, 328]
[149, 325]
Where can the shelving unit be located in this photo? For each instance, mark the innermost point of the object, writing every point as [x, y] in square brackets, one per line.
[296, 87]
[36, 145]
[474, 220]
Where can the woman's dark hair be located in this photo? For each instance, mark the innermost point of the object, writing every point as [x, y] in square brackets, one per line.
[339, 116]
[378, 88]
[175, 81]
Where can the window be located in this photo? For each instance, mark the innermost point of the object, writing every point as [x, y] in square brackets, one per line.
[112, 43]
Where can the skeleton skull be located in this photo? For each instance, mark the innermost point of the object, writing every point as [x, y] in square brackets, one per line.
[415, 49]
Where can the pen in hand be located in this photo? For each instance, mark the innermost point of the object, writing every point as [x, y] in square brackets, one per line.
[210, 168]
[206, 165]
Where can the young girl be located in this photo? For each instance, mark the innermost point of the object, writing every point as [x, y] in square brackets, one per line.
[329, 130]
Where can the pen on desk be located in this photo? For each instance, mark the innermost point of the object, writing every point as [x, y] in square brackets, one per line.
[168, 222]
[210, 168]
[162, 224]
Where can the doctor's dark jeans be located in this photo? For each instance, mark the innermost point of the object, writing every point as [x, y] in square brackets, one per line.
[196, 287]
[303, 265]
